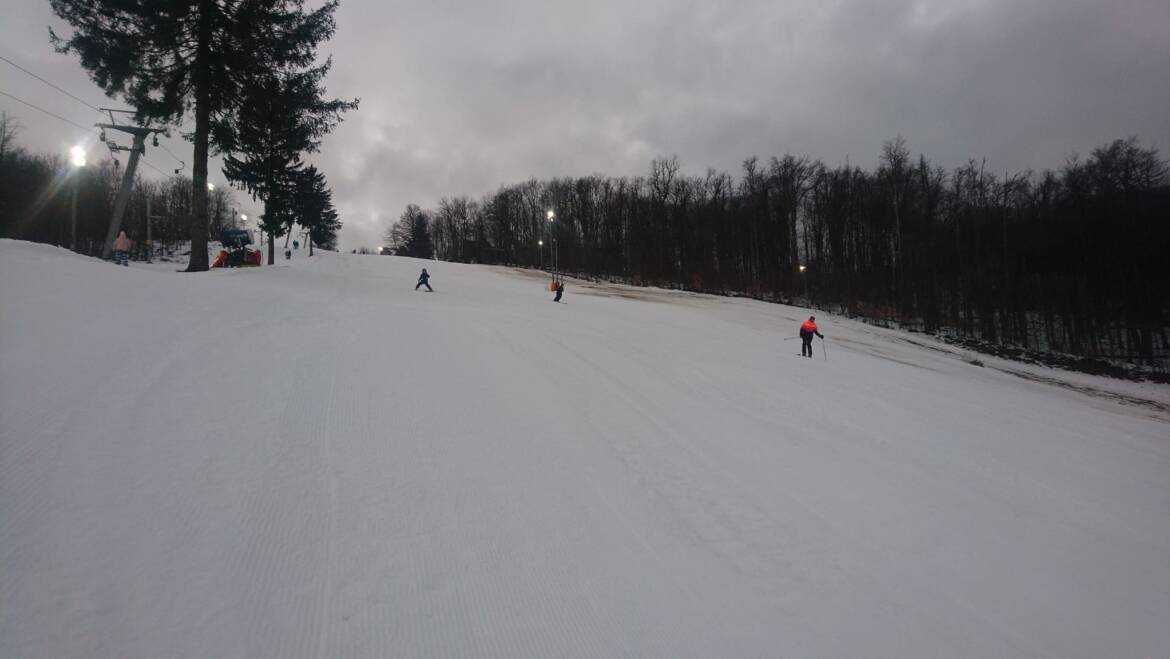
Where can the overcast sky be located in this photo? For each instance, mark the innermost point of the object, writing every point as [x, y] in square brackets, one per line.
[460, 97]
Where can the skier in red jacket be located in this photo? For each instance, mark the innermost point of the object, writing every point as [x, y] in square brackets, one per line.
[807, 330]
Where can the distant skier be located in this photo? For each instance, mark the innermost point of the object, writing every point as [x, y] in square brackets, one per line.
[121, 247]
[287, 254]
[807, 330]
[560, 289]
[296, 244]
[424, 279]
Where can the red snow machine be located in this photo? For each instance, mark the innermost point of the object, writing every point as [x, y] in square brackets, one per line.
[235, 253]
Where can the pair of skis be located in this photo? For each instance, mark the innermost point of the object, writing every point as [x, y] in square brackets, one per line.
[824, 350]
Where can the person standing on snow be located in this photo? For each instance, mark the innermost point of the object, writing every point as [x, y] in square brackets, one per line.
[424, 280]
[807, 330]
[121, 247]
[560, 289]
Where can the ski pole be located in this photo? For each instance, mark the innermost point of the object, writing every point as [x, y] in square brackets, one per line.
[791, 338]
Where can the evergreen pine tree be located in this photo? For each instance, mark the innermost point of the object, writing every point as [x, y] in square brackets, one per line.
[282, 117]
[316, 212]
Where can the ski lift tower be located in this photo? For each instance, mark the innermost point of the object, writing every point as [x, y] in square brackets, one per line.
[140, 134]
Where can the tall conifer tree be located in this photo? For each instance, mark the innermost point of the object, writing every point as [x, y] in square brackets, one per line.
[283, 116]
[315, 209]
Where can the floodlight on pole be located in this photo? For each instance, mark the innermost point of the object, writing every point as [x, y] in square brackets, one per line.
[77, 157]
[210, 187]
[552, 217]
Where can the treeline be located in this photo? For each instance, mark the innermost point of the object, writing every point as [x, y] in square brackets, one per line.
[1072, 260]
[36, 196]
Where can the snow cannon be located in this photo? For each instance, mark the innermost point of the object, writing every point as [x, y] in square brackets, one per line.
[235, 253]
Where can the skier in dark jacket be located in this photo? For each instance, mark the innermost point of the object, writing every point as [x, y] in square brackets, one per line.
[807, 330]
[560, 289]
[424, 280]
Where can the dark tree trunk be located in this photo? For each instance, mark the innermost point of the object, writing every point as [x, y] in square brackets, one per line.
[198, 262]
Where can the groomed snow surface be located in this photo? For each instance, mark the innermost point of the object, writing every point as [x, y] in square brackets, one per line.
[314, 460]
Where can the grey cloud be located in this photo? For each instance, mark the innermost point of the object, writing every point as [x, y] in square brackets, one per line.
[458, 98]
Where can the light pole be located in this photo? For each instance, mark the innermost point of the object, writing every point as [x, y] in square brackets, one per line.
[210, 189]
[552, 218]
[244, 218]
[804, 276]
[77, 157]
[540, 250]
[150, 218]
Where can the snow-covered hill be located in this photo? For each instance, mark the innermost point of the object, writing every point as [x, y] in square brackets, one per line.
[314, 460]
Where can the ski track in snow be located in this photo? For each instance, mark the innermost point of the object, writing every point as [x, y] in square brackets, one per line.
[317, 461]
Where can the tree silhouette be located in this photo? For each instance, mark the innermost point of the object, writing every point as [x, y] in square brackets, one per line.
[283, 116]
[411, 235]
[316, 212]
[1065, 262]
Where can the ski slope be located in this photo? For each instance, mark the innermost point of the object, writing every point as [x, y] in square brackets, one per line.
[314, 460]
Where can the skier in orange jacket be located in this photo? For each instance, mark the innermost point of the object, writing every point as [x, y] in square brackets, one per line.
[807, 330]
